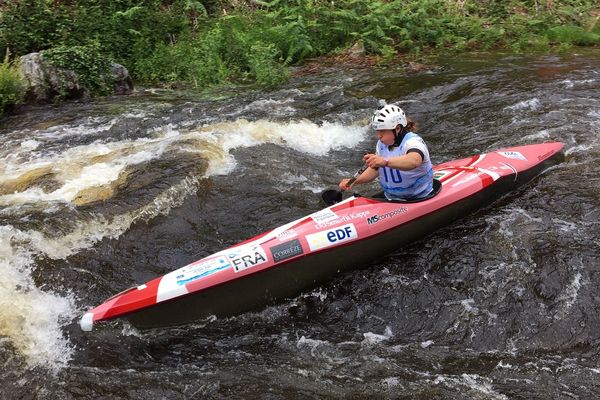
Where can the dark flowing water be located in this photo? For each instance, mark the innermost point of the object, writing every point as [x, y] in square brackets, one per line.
[503, 304]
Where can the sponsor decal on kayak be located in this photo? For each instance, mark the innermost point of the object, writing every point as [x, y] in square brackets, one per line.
[515, 155]
[441, 174]
[245, 257]
[487, 177]
[378, 218]
[342, 219]
[286, 250]
[285, 235]
[331, 237]
[323, 216]
[202, 269]
[545, 155]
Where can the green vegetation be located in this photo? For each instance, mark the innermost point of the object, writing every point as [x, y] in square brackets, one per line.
[88, 62]
[212, 42]
[11, 85]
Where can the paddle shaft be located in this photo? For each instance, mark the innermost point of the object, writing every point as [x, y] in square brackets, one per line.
[332, 196]
[356, 175]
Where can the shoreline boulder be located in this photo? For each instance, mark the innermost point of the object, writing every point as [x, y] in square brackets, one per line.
[45, 82]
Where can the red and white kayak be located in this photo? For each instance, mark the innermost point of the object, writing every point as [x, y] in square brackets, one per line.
[297, 256]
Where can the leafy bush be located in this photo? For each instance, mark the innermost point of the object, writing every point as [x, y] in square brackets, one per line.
[227, 51]
[90, 65]
[119, 26]
[573, 35]
[264, 65]
[195, 41]
[29, 26]
[197, 62]
[12, 85]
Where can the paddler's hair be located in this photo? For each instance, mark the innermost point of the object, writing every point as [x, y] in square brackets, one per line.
[411, 126]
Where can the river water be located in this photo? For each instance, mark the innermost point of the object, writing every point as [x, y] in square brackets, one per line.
[503, 304]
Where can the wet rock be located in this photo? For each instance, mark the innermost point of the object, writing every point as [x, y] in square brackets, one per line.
[357, 50]
[122, 82]
[47, 82]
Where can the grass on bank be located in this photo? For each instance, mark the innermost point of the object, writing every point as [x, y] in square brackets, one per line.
[212, 42]
[12, 86]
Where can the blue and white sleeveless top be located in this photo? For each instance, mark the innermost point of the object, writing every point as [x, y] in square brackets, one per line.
[411, 184]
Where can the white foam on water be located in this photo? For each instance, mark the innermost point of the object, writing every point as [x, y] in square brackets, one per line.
[391, 382]
[218, 140]
[468, 305]
[130, 330]
[567, 83]
[88, 126]
[91, 125]
[137, 114]
[30, 144]
[570, 84]
[312, 344]
[503, 365]
[543, 134]
[33, 318]
[277, 108]
[374, 338]
[531, 104]
[566, 226]
[511, 219]
[303, 136]
[291, 181]
[75, 169]
[476, 383]
[30, 317]
[580, 149]
[569, 295]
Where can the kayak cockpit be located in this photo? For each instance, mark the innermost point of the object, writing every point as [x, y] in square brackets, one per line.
[437, 188]
[333, 196]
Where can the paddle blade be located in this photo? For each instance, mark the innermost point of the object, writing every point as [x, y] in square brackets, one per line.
[331, 196]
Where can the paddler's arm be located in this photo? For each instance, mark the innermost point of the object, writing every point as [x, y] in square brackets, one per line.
[409, 161]
[368, 175]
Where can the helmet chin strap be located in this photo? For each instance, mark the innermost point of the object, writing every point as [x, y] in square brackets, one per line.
[398, 136]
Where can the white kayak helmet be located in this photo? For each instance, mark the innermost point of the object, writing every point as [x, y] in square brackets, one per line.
[388, 117]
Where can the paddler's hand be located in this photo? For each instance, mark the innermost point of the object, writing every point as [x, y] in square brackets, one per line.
[374, 161]
[344, 184]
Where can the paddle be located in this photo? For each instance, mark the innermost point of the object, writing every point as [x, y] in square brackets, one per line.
[332, 196]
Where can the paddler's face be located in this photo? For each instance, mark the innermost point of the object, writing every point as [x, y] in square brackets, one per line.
[386, 136]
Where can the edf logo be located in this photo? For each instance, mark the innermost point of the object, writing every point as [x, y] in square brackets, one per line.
[339, 234]
[331, 237]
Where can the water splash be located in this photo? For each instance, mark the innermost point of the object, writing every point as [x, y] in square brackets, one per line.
[59, 181]
[30, 317]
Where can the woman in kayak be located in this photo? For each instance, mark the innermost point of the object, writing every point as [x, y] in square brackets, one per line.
[401, 159]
